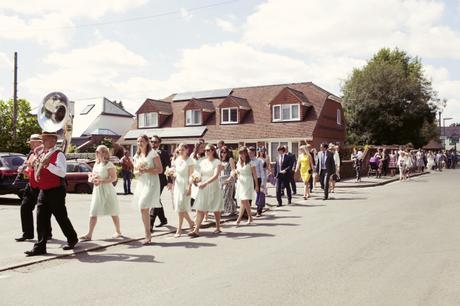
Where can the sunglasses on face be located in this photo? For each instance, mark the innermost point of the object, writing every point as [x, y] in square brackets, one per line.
[208, 150]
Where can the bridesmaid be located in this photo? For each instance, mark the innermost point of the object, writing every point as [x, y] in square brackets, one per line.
[246, 184]
[147, 166]
[183, 169]
[104, 200]
[209, 197]
[305, 165]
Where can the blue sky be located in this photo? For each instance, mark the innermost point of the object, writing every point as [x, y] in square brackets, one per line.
[174, 46]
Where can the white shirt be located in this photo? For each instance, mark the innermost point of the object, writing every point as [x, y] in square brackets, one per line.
[60, 169]
[259, 164]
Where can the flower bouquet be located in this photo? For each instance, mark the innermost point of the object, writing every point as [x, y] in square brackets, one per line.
[235, 173]
[196, 178]
[170, 171]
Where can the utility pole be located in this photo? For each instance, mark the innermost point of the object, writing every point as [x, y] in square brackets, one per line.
[15, 95]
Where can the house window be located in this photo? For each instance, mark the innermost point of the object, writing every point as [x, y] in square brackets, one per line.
[339, 117]
[193, 117]
[229, 115]
[273, 150]
[286, 112]
[148, 120]
[87, 109]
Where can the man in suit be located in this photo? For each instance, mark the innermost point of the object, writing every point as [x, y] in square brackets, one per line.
[164, 181]
[282, 172]
[293, 159]
[325, 167]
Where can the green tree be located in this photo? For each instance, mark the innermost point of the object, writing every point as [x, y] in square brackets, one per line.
[26, 125]
[389, 101]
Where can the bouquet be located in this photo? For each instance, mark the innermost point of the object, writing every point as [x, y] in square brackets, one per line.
[196, 178]
[235, 173]
[141, 166]
[170, 171]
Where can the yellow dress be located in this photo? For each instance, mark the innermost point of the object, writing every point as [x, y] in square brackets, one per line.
[304, 161]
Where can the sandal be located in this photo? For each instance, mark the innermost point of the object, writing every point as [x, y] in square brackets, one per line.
[147, 241]
[85, 238]
[116, 236]
[217, 232]
[193, 235]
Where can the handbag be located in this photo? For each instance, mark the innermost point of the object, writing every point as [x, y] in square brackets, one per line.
[260, 201]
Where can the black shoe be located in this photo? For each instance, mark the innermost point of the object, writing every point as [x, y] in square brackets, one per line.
[34, 252]
[49, 237]
[289, 202]
[70, 245]
[279, 205]
[24, 238]
[325, 198]
[161, 224]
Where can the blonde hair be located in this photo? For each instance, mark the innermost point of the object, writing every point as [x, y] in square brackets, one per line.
[303, 149]
[104, 154]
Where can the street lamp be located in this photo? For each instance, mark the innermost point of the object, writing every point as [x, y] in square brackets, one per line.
[444, 129]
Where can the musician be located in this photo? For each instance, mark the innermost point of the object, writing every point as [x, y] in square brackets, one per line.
[31, 191]
[50, 171]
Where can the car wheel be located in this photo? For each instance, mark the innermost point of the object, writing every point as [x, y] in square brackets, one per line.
[83, 188]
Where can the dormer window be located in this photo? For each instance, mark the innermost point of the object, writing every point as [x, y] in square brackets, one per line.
[229, 115]
[193, 117]
[286, 112]
[148, 120]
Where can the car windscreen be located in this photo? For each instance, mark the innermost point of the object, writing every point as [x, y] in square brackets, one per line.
[12, 161]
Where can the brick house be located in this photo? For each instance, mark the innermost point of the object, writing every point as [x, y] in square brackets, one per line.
[269, 115]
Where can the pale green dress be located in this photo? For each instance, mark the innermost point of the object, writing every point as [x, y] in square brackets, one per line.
[181, 200]
[104, 200]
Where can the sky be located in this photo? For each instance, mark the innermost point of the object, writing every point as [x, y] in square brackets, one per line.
[130, 50]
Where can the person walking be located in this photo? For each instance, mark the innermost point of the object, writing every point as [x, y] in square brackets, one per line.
[357, 158]
[260, 173]
[31, 190]
[164, 181]
[104, 200]
[227, 181]
[147, 167]
[182, 173]
[402, 164]
[197, 156]
[335, 176]
[209, 197]
[305, 166]
[50, 170]
[293, 160]
[246, 184]
[127, 167]
[326, 167]
[262, 155]
[282, 173]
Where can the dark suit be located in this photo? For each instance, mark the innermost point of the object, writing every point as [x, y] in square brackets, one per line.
[325, 168]
[283, 179]
[292, 179]
[154, 212]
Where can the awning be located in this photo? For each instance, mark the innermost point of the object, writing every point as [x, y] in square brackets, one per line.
[195, 131]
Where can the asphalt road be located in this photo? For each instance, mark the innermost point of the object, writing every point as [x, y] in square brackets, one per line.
[398, 244]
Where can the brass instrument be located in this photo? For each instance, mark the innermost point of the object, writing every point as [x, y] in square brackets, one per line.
[54, 116]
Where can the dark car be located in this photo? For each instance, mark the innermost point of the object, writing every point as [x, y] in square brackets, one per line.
[77, 177]
[9, 181]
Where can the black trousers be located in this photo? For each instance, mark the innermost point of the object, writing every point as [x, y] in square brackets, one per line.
[282, 182]
[158, 211]
[27, 209]
[324, 178]
[52, 202]
[292, 182]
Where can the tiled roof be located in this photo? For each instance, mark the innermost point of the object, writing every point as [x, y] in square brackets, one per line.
[206, 105]
[162, 107]
[258, 125]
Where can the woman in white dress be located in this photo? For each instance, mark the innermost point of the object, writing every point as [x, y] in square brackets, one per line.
[246, 184]
[104, 200]
[147, 166]
[182, 172]
[209, 197]
[430, 161]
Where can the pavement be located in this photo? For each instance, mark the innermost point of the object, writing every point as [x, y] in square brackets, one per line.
[396, 244]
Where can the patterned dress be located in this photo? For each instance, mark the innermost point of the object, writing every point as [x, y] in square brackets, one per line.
[228, 189]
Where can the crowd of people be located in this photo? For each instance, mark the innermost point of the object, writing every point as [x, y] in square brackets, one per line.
[207, 180]
[404, 161]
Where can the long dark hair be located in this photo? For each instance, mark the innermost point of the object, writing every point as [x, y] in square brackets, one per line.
[213, 149]
[196, 154]
[228, 156]
[149, 146]
[246, 160]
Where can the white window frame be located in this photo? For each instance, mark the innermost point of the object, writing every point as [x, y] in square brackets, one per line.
[192, 116]
[229, 121]
[284, 106]
[339, 117]
[148, 120]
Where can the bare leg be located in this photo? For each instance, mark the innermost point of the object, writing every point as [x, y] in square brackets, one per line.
[241, 213]
[116, 222]
[247, 206]
[217, 217]
[146, 220]
[181, 221]
[199, 220]
[92, 225]
[189, 220]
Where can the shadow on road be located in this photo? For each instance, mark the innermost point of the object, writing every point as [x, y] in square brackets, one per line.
[242, 235]
[98, 258]
[184, 244]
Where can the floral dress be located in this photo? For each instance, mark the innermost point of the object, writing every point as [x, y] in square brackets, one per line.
[228, 188]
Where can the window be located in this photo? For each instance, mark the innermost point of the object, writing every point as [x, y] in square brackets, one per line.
[274, 151]
[87, 109]
[339, 117]
[229, 115]
[193, 117]
[286, 112]
[148, 119]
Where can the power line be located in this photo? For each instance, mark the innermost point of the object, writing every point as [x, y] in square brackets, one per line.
[134, 19]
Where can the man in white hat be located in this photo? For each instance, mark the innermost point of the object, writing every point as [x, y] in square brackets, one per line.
[31, 191]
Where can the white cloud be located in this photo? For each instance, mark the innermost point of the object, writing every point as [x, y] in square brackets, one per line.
[185, 14]
[226, 25]
[353, 27]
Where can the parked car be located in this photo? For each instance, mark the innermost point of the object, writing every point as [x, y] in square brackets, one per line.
[9, 164]
[77, 177]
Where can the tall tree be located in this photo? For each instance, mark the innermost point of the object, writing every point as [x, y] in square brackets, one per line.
[26, 125]
[389, 101]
